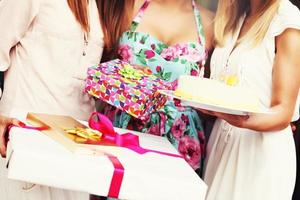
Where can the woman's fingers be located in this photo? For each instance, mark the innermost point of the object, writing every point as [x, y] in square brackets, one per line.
[4, 124]
[16, 122]
[235, 120]
[293, 127]
[207, 112]
[2, 141]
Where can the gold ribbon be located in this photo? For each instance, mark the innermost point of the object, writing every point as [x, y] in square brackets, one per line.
[86, 133]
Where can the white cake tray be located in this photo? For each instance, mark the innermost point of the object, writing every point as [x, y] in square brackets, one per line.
[212, 107]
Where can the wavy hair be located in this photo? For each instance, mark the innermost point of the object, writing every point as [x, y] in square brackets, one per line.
[230, 12]
[115, 17]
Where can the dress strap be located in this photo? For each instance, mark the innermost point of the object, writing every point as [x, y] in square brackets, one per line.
[136, 21]
[201, 35]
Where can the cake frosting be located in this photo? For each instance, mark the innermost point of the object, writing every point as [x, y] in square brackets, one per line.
[213, 92]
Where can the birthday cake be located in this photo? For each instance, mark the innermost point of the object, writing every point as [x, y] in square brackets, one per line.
[216, 93]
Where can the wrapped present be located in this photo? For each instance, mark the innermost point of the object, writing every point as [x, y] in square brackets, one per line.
[132, 90]
[81, 139]
[64, 129]
[133, 166]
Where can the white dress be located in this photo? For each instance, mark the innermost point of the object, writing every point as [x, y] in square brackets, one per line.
[41, 52]
[243, 164]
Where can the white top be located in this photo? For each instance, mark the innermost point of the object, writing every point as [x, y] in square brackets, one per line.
[41, 50]
[254, 66]
[243, 163]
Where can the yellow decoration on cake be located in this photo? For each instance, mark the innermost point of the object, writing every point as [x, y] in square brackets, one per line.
[223, 93]
[231, 80]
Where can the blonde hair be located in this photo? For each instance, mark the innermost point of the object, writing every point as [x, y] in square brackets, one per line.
[230, 12]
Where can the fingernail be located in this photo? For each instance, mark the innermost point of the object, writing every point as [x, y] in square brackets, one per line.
[21, 124]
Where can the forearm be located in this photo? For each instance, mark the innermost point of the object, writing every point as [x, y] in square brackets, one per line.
[285, 85]
[1, 83]
[278, 119]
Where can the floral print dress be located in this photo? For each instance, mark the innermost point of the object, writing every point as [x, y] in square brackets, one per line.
[181, 125]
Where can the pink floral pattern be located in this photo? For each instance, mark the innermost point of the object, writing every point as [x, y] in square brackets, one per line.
[178, 128]
[170, 53]
[181, 125]
[149, 54]
[154, 130]
[191, 150]
[125, 52]
[185, 51]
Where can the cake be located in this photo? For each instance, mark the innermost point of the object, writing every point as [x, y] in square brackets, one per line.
[216, 93]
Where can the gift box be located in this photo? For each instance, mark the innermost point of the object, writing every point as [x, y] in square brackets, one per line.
[67, 131]
[132, 90]
[121, 171]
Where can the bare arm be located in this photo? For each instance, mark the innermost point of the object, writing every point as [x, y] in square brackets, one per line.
[285, 88]
[286, 83]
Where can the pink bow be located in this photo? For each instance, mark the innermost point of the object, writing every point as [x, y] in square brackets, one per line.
[130, 141]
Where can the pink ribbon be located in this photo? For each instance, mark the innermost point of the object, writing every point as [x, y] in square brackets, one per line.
[117, 178]
[41, 128]
[118, 174]
[130, 141]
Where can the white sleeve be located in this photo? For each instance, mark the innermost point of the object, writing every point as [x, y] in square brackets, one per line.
[16, 17]
[288, 16]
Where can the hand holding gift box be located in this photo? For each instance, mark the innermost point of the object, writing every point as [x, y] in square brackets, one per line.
[147, 174]
[126, 87]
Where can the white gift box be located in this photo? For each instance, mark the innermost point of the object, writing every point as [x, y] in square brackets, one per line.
[35, 158]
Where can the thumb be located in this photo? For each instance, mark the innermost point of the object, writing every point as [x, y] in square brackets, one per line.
[16, 122]
[3, 132]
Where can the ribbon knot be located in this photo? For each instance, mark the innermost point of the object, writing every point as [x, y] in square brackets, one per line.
[130, 141]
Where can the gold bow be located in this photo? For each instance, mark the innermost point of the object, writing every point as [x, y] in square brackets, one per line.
[86, 133]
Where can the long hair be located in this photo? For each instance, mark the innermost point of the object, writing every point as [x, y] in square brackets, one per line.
[80, 11]
[230, 12]
[115, 17]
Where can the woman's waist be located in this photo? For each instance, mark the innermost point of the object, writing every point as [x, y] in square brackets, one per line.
[19, 108]
[34, 96]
